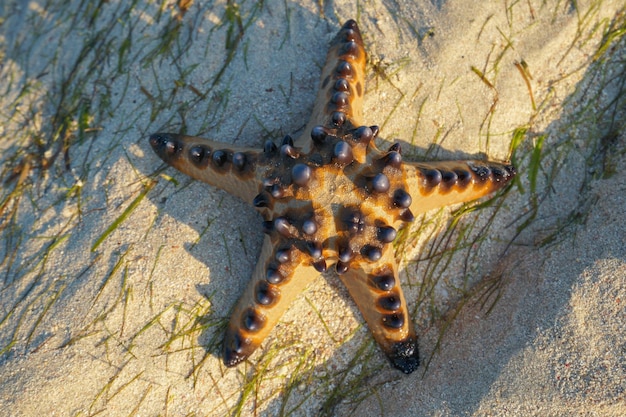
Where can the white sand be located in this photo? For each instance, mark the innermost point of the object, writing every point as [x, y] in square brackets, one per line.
[126, 315]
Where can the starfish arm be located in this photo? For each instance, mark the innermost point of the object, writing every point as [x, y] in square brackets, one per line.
[342, 84]
[376, 290]
[281, 274]
[231, 169]
[437, 184]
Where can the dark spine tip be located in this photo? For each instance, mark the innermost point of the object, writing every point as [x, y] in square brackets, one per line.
[265, 293]
[289, 151]
[282, 256]
[273, 276]
[236, 349]
[498, 173]
[345, 254]
[252, 321]
[481, 171]
[342, 153]
[219, 158]
[511, 170]
[353, 221]
[342, 85]
[344, 70]
[372, 253]
[276, 190]
[338, 118]
[301, 174]
[269, 148]
[407, 215]
[339, 99]
[350, 24]
[199, 155]
[364, 134]
[309, 227]
[432, 177]
[261, 200]
[287, 140]
[350, 48]
[393, 321]
[449, 178]
[503, 173]
[401, 198]
[282, 226]
[390, 302]
[380, 183]
[392, 159]
[164, 145]
[350, 35]
[320, 265]
[268, 227]
[319, 134]
[463, 177]
[396, 147]
[155, 140]
[384, 282]
[386, 234]
[239, 160]
[171, 148]
[314, 249]
[342, 267]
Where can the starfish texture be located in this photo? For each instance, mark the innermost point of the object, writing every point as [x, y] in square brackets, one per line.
[330, 197]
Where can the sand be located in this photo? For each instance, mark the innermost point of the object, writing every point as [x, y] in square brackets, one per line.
[520, 305]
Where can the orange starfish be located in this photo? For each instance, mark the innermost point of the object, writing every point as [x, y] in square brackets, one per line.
[330, 197]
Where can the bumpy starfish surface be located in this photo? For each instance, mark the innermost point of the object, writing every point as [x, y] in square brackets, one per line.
[330, 197]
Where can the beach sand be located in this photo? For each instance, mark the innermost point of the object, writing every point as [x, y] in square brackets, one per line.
[119, 275]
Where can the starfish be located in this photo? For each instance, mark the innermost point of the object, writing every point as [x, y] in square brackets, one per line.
[330, 197]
